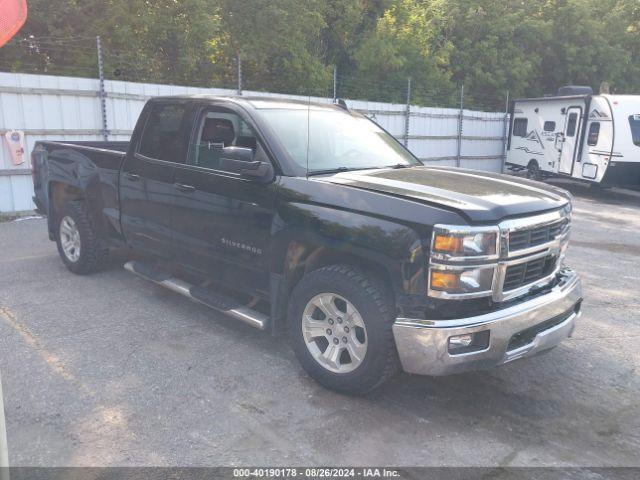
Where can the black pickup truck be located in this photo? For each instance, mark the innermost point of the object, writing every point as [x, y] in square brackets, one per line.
[311, 220]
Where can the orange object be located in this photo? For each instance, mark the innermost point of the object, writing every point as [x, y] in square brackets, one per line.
[13, 14]
[15, 140]
[448, 243]
[445, 280]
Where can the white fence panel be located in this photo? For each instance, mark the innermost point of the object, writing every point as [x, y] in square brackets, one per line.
[68, 108]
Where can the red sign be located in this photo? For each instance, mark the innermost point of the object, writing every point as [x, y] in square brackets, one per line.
[13, 14]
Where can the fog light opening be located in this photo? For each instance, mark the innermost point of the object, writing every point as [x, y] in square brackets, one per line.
[469, 342]
[460, 341]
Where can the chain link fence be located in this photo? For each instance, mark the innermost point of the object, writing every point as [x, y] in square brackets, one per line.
[100, 93]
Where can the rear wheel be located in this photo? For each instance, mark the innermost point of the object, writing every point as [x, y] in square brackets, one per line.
[340, 324]
[78, 244]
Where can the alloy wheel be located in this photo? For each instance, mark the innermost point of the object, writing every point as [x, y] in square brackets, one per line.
[334, 333]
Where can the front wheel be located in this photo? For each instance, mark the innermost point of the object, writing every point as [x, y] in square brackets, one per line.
[340, 324]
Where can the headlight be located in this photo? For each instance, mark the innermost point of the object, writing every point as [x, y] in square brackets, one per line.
[463, 261]
[451, 243]
[462, 281]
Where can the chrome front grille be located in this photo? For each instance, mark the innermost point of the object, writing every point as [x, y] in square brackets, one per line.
[534, 248]
[525, 273]
[525, 239]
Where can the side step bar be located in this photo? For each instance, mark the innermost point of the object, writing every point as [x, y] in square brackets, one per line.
[201, 295]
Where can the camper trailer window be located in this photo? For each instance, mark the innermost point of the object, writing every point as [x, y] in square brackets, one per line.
[634, 122]
[520, 127]
[571, 124]
[549, 126]
[594, 133]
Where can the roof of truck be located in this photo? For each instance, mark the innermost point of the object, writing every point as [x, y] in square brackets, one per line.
[255, 101]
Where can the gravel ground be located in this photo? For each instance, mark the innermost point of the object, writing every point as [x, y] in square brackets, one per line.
[112, 370]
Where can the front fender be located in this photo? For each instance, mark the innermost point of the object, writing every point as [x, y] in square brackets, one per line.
[305, 232]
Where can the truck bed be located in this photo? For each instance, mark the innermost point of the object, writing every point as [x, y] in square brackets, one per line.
[103, 145]
[90, 167]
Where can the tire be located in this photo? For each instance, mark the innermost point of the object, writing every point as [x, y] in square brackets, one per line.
[78, 243]
[370, 305]
[533, 171]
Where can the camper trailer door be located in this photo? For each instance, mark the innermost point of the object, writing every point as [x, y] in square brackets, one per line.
[570, 139]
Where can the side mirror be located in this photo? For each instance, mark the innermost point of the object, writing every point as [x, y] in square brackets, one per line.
[241, 160]
[241, 154]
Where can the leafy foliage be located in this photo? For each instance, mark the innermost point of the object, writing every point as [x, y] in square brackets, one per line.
[489, 46]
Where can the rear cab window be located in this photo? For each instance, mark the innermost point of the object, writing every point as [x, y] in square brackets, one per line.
[166, 133]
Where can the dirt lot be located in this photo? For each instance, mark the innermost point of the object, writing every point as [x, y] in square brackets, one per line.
[112, 370]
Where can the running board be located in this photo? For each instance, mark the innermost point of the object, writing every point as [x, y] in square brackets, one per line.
[201, 295]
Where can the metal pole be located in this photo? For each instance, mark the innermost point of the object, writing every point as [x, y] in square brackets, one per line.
[335, 83]
[4, 450]
[239, 91]
[407, 114]
[103, 94]
[505, 132]
[460, 120]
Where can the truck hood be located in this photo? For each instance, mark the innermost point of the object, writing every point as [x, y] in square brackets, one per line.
[479, 196]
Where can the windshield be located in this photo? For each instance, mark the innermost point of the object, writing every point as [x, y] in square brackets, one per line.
[337, 140]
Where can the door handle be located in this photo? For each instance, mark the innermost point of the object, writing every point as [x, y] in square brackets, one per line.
[132, 176]
[184, 188]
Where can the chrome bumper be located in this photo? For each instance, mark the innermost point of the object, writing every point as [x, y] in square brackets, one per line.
[423, 345]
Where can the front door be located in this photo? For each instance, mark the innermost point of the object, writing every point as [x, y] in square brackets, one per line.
[570, 140]
[222, 221]
[147, 178]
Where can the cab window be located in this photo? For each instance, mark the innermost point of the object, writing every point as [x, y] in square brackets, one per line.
[165, 134]
[219, 129]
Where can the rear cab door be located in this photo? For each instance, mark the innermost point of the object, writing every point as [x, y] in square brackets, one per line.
[160, 143]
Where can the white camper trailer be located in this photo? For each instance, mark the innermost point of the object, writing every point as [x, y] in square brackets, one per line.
[577, 134]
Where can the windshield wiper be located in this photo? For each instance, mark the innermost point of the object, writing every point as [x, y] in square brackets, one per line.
[332, 170]
[399, 165]
[351, 169]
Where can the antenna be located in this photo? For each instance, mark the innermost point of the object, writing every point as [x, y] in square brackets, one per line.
[308, 132]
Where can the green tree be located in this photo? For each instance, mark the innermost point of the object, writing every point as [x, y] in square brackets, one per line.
[278, 42]
[409, 40]
[489, 46]
[498, 47]
[588, 44]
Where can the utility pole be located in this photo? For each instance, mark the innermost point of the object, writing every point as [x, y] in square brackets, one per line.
[460, 120]
[102, 93]
[239, 74]
[407, 114]
[335, 83]
[505, 132]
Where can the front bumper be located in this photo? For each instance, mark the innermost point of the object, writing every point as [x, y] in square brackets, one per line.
[423, 345]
